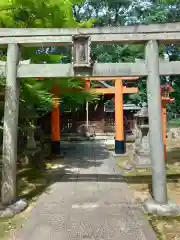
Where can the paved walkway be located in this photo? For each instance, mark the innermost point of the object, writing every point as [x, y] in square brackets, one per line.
[90, 201]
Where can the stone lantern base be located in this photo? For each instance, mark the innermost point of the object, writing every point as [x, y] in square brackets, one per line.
[141, 154]
[141, 159]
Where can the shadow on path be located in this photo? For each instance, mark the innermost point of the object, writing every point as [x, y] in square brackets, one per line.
[86, 199]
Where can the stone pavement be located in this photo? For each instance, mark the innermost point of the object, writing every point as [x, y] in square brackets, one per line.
[89, 201]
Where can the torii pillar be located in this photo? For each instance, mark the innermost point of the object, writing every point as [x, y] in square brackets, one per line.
[87, 86]
[120, 147]
[164, 116]
[55, 123]
[118, 90]
[166, 89]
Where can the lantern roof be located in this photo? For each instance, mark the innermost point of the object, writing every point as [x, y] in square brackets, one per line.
[167, 87]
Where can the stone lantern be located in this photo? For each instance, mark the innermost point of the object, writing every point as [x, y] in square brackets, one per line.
[141, 151]
[81, 55]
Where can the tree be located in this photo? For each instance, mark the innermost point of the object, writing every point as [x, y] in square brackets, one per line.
[35, 97]
[27, 13]
[131, 13]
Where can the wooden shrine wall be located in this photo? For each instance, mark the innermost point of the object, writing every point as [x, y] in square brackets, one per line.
[104, 122]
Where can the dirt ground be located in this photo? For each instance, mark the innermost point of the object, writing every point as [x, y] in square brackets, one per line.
[139, 182]
[32, 182]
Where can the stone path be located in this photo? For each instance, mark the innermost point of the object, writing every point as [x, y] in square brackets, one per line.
[90, 201]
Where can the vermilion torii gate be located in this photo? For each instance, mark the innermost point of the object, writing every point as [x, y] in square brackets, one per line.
[118, 90]
[82, 66]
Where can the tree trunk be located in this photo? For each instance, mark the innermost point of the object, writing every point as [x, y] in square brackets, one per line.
[10, 129]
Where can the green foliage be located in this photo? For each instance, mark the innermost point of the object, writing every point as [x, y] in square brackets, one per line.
[32, 13]
[35, 96]
[34, 99]
[76, 13]
[168, 2]
[117, 13]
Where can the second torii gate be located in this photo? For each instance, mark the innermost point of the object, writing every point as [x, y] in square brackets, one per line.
[118, 90]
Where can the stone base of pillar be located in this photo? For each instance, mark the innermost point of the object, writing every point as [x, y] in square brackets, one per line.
[55, 148]
[168, 209]
[120, 147]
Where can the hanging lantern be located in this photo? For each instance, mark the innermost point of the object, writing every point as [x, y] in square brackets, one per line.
[81, 51]
[166, 89]
[81, 58]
